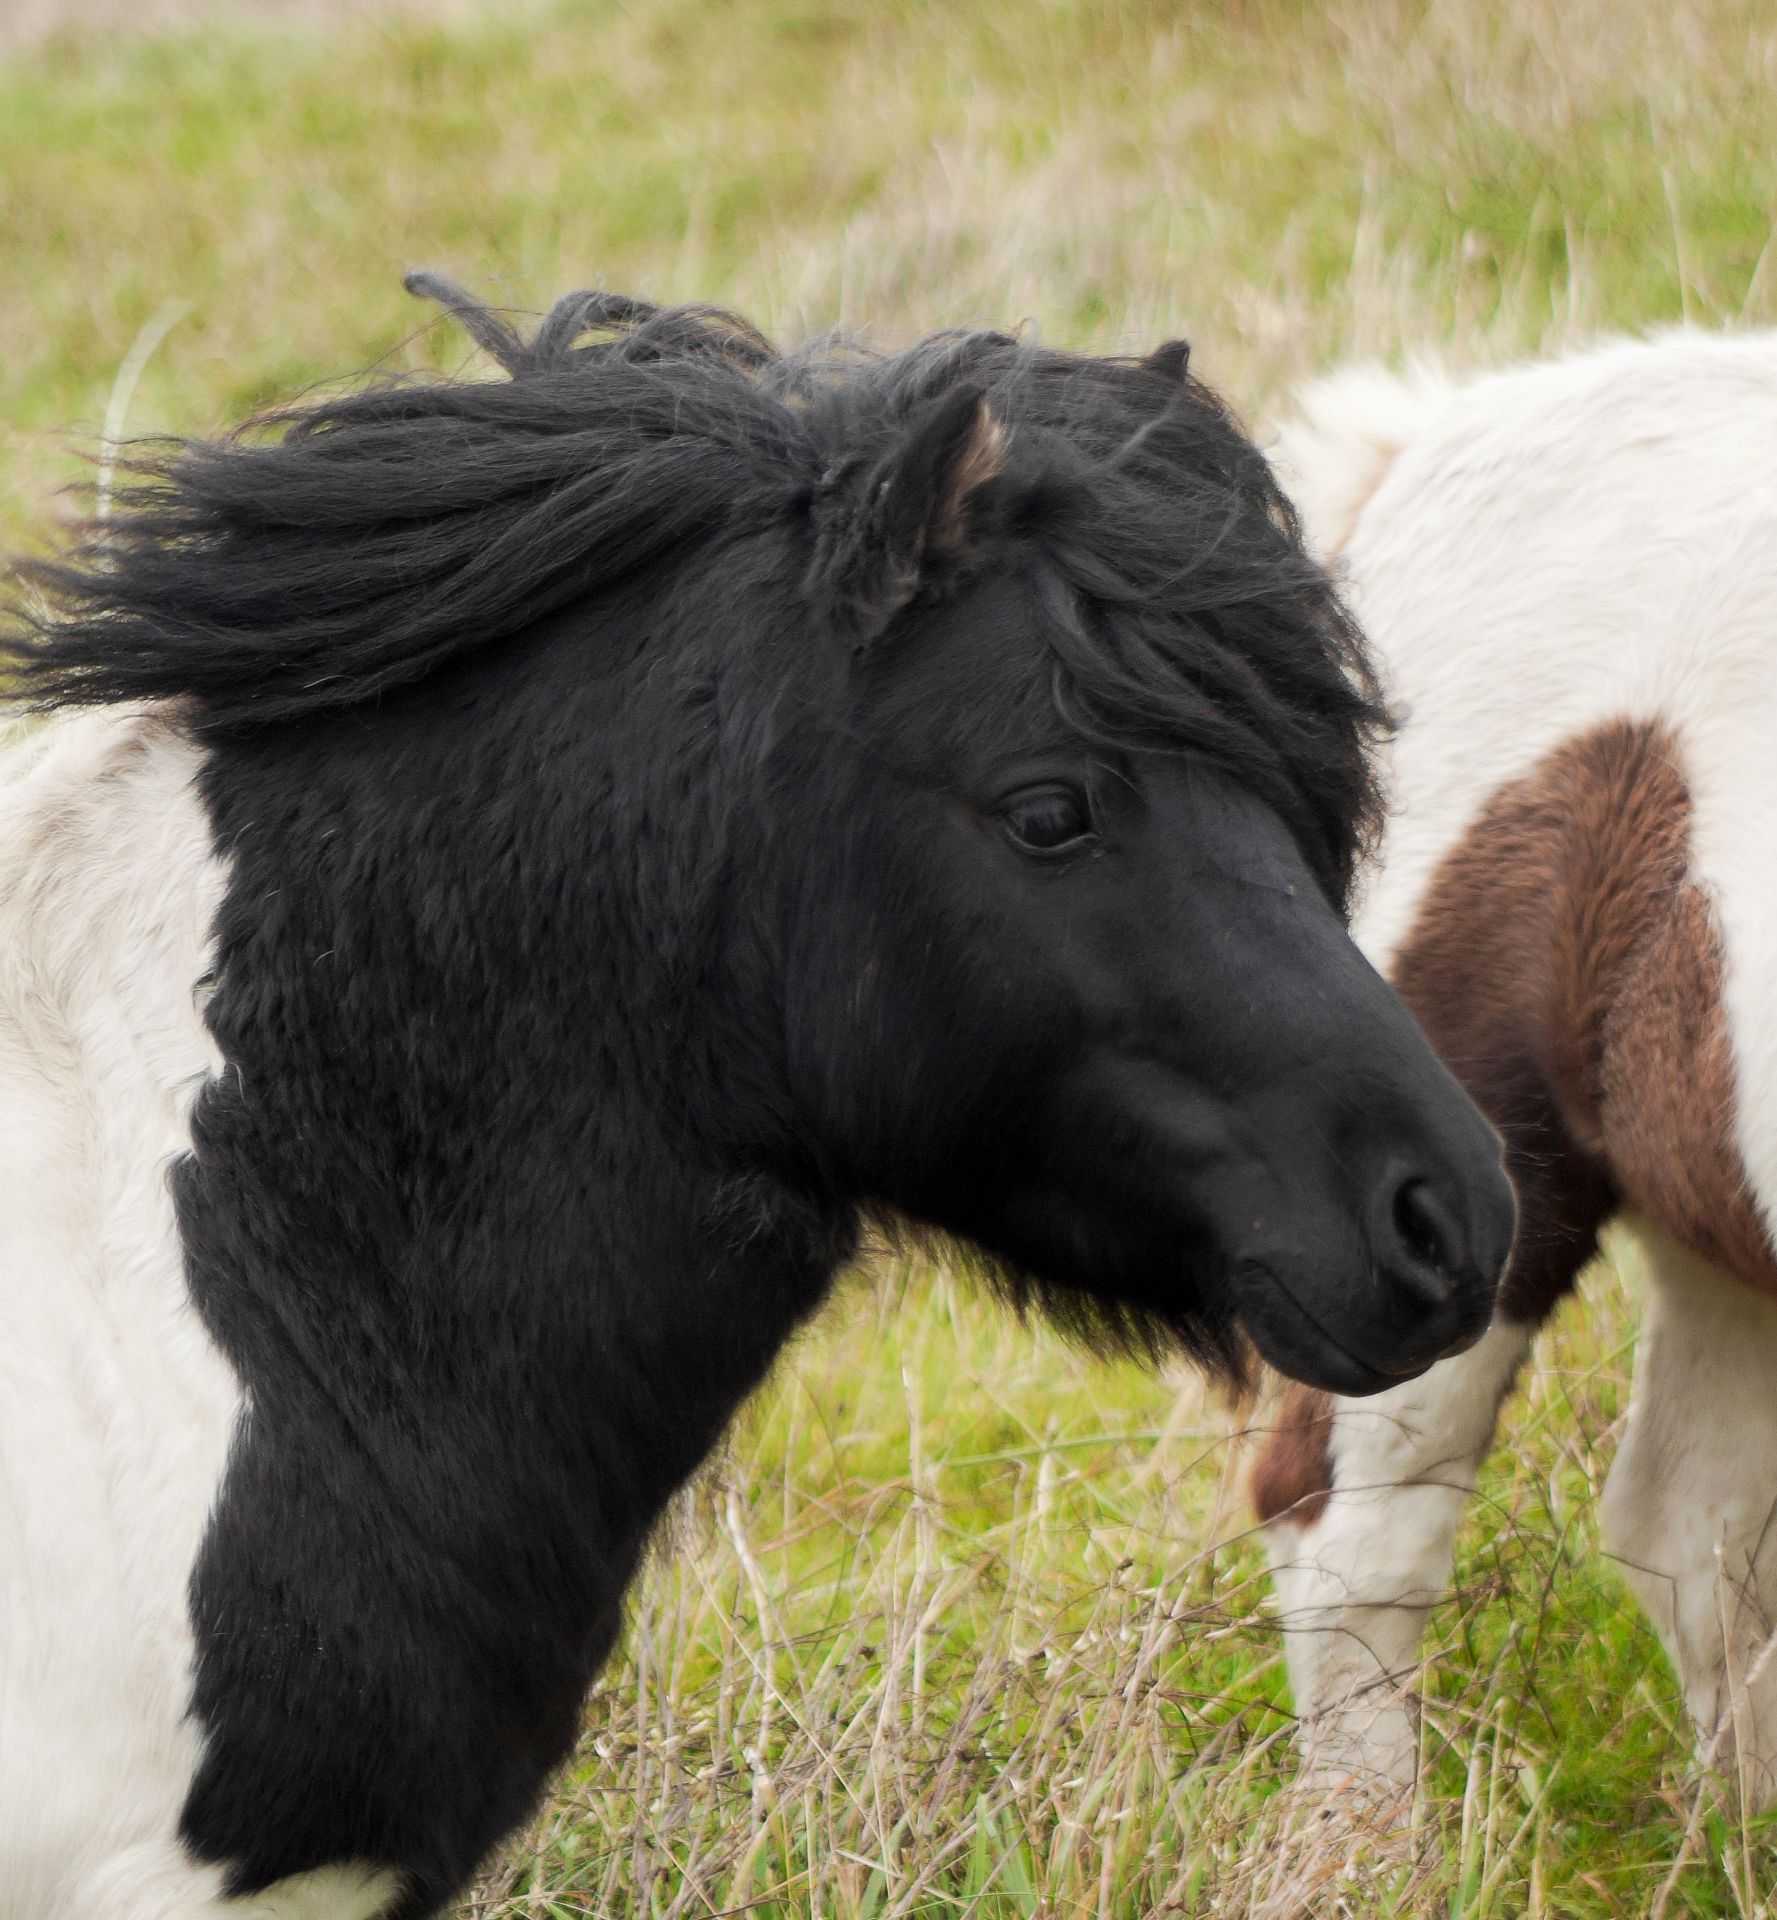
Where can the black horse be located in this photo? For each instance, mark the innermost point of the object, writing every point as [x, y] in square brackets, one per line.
[676, 804]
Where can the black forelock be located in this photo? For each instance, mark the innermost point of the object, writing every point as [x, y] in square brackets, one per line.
[323, 555]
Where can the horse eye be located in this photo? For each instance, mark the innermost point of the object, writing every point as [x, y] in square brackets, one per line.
[1052, 820]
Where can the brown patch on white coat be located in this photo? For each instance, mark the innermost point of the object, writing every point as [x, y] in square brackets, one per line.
[1567, 969]
[1293, 1474]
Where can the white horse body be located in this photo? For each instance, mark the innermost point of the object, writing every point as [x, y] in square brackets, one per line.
[1535, 555]
[116, 1410]
[1564, 545]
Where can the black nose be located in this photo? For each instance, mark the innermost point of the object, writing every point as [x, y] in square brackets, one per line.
[1437, 1283]
[1428, 1237]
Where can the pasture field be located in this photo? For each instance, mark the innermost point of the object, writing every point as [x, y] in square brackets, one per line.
[963, 1622]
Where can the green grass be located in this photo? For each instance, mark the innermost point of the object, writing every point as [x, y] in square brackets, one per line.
[1285, 183]
[963, 1623]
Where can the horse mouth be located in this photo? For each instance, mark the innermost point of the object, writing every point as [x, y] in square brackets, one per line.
[1297, 1341]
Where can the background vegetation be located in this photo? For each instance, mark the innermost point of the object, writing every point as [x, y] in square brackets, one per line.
[963, 1623]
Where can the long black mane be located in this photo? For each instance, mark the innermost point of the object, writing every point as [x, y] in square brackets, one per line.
[321, 556]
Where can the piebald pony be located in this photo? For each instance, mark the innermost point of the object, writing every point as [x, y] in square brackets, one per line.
[1569, 575]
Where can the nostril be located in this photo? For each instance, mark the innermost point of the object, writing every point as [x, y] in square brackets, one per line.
[1427, 1230]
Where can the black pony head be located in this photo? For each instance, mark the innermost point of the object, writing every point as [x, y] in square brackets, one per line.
[948, 770]
[675, 801]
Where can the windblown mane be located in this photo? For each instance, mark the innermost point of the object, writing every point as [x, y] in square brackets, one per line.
[321, 556]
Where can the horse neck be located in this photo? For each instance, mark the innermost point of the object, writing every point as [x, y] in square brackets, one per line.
[470, 1301]
[486, 1202]
[451, 1185]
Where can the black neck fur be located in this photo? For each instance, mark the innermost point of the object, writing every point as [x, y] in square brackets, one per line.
[494, 1288]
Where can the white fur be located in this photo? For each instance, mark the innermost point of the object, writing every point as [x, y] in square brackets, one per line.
[1354, 1588]
[1567, 544]
[1533, 554]
[1350, 426]
[115, 1408]
[1690, 1509]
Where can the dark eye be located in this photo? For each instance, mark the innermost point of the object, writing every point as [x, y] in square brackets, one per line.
[1049, 821]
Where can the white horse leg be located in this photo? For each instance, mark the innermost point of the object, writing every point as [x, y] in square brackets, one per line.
[1358, 1570]
[1690, 1508]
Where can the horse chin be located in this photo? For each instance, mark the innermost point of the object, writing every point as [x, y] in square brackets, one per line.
[1295, 1340]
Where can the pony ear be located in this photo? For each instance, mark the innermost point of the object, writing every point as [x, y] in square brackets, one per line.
[909, 524]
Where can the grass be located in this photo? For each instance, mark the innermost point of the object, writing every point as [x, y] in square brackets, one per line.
[1286, 183]
[963, 1623]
